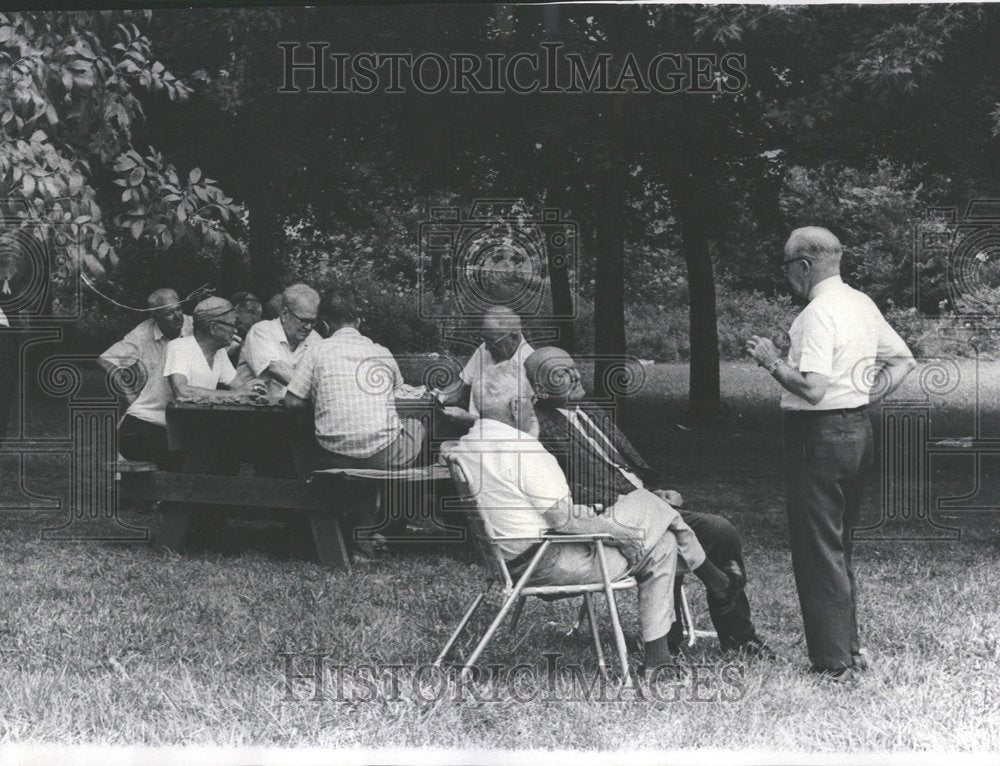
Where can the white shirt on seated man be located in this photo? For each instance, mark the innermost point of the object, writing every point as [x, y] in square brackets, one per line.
[274, 347]
[522, 492]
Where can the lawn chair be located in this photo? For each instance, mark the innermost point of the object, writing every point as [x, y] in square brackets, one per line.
[516, 593]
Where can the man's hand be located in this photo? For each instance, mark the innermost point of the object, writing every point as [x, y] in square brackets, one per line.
[762, 350]
[672, 496]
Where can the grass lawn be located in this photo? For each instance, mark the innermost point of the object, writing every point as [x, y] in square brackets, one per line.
[113, 643]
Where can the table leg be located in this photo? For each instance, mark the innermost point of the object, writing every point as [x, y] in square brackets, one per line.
[331, 549]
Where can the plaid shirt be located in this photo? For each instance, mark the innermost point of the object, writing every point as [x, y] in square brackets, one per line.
[351, 382]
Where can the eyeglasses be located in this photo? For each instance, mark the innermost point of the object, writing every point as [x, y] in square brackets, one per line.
[501, 339]
[306, 323]
[230, 325]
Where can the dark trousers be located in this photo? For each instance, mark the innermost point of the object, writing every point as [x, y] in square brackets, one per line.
[722, 544]
[827, 457]
[144, 441]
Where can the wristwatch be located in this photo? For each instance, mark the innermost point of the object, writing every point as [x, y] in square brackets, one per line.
[773, 366]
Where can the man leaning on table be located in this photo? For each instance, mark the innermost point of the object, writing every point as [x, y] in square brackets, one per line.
[274, 347]
[837, 337]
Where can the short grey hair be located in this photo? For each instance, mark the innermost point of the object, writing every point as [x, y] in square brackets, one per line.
[498, 386]
[298, 295]
[162, 297]
[815, 244]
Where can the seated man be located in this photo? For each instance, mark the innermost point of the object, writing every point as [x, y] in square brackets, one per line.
[274, 347]
[142, 432]
[524, 493]
[602, 467]
[351, 382]
[502, 342]
[197, 366]
[248, 313]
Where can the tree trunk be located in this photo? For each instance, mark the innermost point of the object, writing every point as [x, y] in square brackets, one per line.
[263, 226]
[562, 297]
[704, 398]
[609, 293]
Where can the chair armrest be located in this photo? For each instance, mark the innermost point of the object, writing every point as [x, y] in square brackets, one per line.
[588, 538]
[556, 538]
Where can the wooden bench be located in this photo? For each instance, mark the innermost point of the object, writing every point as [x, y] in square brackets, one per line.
[316, 496]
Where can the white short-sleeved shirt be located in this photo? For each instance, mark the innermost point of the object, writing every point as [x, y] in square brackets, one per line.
[184, 357]
[351, 381]
[480, 361]
[266, 342]
[513, 479]
[839, 335]
[146, 345]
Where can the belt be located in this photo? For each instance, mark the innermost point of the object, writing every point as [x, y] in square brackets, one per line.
[522, 559]
[817, 413]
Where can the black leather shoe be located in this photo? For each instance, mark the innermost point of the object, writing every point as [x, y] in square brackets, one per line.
[838, 675]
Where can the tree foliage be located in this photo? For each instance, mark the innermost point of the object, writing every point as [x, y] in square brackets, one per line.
[72, 86]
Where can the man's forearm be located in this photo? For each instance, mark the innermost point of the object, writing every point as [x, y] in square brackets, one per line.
[890, 376]
[280, 371]
[806, 386]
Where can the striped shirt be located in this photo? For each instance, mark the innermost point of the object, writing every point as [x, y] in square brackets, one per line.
[351, 382]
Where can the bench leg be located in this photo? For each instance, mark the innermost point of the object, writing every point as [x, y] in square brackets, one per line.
[176, 525]
[329, 539]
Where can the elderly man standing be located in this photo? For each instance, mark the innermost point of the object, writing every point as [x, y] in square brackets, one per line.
[602, 467]
[828, 436]
[351, 382]
[521, 488]
[142, 433]
[274, 347]
[502, 342]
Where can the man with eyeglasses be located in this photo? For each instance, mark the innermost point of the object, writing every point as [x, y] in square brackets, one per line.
[604, 469]
[274, 347]
[837, 341]
[502, 342]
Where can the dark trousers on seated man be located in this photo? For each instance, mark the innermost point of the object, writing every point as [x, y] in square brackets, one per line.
[721, 542]
[146, 442]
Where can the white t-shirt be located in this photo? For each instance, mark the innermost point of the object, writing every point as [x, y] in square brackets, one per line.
[266, 342]
[839, 334]
[513, 480]
[184, 357]
[480, 361]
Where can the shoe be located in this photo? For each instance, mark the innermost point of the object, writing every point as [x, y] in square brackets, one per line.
[675, 638]
[755, 648]
[838, 675]
[724, 602]
[860, 661]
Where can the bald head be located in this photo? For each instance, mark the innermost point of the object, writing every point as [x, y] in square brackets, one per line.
[167, 311]
[554, 377]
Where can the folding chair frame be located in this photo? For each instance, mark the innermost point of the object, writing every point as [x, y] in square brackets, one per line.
[516, 593]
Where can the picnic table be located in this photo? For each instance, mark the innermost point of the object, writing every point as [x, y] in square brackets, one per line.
[206, 432]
